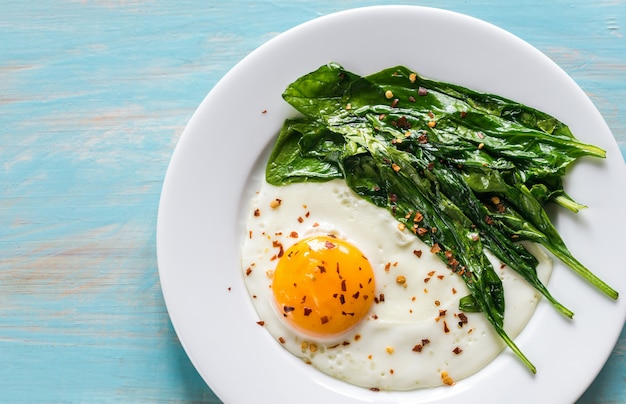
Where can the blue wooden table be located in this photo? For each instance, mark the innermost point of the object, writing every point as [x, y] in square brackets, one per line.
[93, 98]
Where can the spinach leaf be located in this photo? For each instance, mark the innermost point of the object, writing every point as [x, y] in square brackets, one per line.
[477, 168]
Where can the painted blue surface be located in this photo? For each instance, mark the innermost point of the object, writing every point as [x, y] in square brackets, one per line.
[93, 98]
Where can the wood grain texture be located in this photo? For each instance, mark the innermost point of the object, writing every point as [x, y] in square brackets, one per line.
[93, 98]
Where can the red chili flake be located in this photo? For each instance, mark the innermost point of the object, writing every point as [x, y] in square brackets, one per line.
[288, 309]
[307, 214]
[322, 269]
[293, 234]
[329, 245]
[342, 299]
[480, 135]
[421, 231]
[418, 253]
[229, 288]
[423, 139]
[463, 319]
[457, 350]
[394, 103]
[426, 280]
[403, 123]
[430, 114]
[421, 91]
[324, 319]
[281, 340]
[357, 337]
[453, 291]
[278, 244]
[248, 271]
[387, 266]
[463, 113]
[419, 347]
[343, 285]
[411, 98]
[300, 219]
[489, 220]
[261, 323]
[445, 327]
[381, 297]
[418, 217]
[347, 314]
[435, 248]
[264, 111]
[442, 313]
[356, 295]
[374, 389]
[257, 212]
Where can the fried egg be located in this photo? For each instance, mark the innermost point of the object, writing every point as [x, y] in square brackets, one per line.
[339, 284]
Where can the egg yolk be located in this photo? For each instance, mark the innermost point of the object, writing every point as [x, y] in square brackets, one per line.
[323, 286]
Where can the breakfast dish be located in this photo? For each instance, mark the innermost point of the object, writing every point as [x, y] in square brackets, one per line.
[467, 174]
[219, 166]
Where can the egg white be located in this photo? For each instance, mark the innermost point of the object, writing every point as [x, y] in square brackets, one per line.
[382, 351]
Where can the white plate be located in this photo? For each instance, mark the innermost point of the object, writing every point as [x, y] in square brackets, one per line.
[206, 190]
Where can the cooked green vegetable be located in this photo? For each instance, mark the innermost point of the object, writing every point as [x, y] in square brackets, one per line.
[464, 171]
